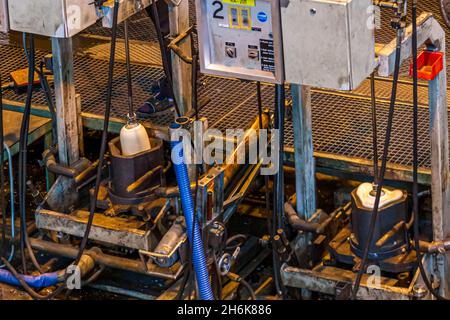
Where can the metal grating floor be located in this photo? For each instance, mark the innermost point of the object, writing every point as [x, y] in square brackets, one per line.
[341, 122]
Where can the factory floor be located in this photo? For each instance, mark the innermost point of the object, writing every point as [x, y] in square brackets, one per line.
[341, 131]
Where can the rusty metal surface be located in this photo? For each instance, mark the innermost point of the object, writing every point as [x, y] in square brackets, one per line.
[341, 125]
[324, 279]
[12, 123]
[126, 232]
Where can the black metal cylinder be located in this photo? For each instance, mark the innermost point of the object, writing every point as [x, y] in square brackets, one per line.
[126, 170]
[389, 216]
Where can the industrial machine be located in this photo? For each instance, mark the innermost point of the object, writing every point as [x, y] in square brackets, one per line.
[194, 213]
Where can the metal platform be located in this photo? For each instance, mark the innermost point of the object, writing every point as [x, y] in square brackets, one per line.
[39, 127]
[341, 121]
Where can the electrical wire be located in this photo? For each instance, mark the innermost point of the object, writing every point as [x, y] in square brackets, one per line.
[2, 178]
[249, 288]
[129, 77]
[278, 202]
[11, 191]
[374, 215]
[374, 128]
[165, 59]
[266, 177]
[23, 146]
[427, 282]
[48, 96]
[93, 204]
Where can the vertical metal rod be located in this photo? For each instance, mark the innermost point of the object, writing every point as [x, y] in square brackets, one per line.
[305, 184]
[440, 172]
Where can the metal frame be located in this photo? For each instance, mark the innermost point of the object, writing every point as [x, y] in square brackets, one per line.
[4, 18]
[219, 70]
[430, 31]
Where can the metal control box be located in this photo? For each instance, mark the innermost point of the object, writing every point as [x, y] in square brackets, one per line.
[241, 39]
[4, 20]
[328, 43]
[52, 18]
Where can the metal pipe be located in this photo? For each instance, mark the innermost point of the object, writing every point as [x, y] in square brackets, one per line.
[101, 258]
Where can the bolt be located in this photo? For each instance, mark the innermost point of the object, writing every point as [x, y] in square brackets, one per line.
[419, 291]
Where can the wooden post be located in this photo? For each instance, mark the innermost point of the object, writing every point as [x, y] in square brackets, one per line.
[181, 71]
[66, 106]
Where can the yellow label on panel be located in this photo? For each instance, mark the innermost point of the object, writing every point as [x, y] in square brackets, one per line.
[250, 3]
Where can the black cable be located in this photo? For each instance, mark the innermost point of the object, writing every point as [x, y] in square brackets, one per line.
[384, 160]
[266, 177]
[48, 96]
[129, 77]
[228, 243]
[23, 146]
[374, 129]
[183, 283]
[2, 178]
[93, 204]
[249, 288]
[165, 59]
[104, 140]
[278, 187]
[416, 157]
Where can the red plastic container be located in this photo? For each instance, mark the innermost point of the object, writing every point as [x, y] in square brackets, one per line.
[429, 64]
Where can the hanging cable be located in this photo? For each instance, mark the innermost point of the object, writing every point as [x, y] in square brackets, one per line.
[266, 177]
[278, 196]
[23, 145]
[165, 58]
[131, 114]
[93, 203]
[23, 149]
[384, 160]
[11, 199]
[2, 178]
[427, 282]
[48, 96]
[374, 130]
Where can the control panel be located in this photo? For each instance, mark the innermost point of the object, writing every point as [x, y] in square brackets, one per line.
[241, 39]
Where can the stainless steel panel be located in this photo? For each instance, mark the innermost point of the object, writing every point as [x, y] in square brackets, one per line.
[4, 21]
[240, 39]
[328, 43]
[52, 18]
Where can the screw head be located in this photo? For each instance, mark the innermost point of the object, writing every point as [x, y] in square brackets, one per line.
[419, 291]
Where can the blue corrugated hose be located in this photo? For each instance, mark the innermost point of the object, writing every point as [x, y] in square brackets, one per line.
[198, 255]
[41, 281]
